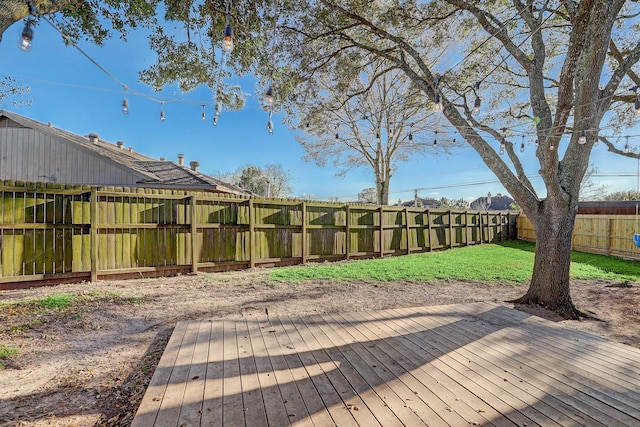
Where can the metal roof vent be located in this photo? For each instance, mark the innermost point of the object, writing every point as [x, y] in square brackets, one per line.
[131, 149]
[94, 138]
[194, 165]
[120, 145]
[181, 159]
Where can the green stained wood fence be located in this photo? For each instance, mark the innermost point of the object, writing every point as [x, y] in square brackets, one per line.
[53, 233]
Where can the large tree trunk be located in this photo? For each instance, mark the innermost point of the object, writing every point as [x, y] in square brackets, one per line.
[550, 281]
[382, 188]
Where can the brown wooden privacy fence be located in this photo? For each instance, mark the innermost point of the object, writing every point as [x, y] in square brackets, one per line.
[598, 234]
[63, 233]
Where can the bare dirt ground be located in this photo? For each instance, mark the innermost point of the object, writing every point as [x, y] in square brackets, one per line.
[90, 365]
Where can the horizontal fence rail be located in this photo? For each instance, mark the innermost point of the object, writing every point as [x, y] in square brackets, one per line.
[63, 233]
[597, 234]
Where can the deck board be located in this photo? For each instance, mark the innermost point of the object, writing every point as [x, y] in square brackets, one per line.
[471, 364]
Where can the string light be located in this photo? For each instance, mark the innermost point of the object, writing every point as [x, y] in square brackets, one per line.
[478, 101]
[410, 134]
[337, 135]
[522, 145]
[437, 106]
[125, 102]
[216, 113]
[204, 115]
[435, 138]
[636, 104]
[227, 43]
[551, 146]
[502, 147]
[162, 111]
[25, 42]
[582, 139]
[268, 96]
[269, 93]
[270, 125]
[626, 145]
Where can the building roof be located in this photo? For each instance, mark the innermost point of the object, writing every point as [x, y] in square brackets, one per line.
[155, 173]
[498, 202]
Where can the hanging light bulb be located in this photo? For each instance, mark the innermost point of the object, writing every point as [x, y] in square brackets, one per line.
[268, 96]
[626, 146]
[438, 104]
[125, 106]
[270, 126]
[476, 105]
[478, 101]
[378, 134]
[552, 147]
[410, 138]
[217, 109]
[204, 115]
[337, 135]
[25, 42]
[536, 143]
[162, 111]
[582, 139]
[227, 42]
[435, 138]
[637, 105]
[522, 147]
[215, 120]
[228, 38]
[595, 142]
[502, 147]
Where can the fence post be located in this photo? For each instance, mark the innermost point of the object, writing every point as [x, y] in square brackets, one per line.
[93, 206]
[304, 233]
[194, 235]
[381, 232]
[501, 227]
[429, 230]
[347, 231]
[610, 237]
[450, 230]
[481, 228]
[466, 228]
[407, 229]
[252, 237]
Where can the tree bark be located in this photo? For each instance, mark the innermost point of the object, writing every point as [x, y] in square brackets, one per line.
[382, 187]
[550, 281]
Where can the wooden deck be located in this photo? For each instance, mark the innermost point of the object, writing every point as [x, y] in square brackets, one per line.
[457, 365]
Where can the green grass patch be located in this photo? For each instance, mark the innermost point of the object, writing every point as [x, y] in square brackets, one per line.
[17, 317]
[509, 262]
[55, 301]
[7, 353]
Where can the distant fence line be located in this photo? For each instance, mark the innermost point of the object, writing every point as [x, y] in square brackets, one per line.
[53, 233]
[597, 234]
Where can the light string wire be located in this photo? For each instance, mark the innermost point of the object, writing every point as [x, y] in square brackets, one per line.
[125, 88]
[162, 100]
[502, 61]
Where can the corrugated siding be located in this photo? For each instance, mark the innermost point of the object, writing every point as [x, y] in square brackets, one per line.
[28, 155]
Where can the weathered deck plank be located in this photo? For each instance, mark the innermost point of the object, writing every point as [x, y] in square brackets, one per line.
[478, 363]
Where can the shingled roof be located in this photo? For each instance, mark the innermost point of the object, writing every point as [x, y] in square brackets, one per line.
[155, 173]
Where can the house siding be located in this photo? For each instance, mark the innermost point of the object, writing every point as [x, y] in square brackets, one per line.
[29, 155]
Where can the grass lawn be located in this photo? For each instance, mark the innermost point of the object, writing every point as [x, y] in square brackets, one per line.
[508, 262]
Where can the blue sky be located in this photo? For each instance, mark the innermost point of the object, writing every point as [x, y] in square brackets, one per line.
[73, 94]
